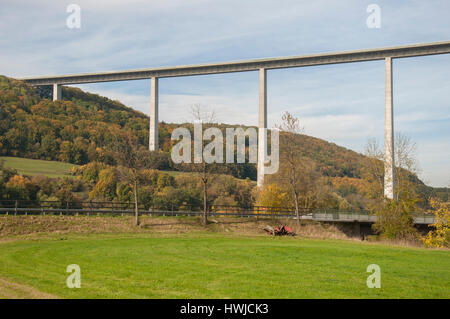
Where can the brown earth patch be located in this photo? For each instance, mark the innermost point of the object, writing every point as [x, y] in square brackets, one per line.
[13, 290]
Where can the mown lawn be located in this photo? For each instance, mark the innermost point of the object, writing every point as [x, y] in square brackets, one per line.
[53, 169]
[218, 266]
[33, 167]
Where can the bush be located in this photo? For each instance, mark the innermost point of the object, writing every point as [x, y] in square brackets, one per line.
[170, 198]
[395, 220]
[21, 188]
[106, 185]
[440, 237]
[124, 192]
[273, 195]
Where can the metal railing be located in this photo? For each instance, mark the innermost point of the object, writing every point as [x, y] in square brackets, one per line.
[95, 207]
[27, 207]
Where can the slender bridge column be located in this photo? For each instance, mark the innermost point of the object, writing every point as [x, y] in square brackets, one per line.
[389, 164]
[153, 134]
[56, 92]
[262, 124]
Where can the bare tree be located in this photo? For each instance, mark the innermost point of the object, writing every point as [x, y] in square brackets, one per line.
[296, 170]
[202, 114]
[394, 217]
[131, 159]
[373, 170]
[206, 117]
[406, 165]
[448, 193]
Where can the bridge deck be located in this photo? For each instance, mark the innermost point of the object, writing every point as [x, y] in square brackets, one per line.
[247, 65]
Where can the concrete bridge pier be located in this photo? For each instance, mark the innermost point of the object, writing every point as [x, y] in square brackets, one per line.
[56, 92]
[389, 163]
[153, 134]
[262, 125]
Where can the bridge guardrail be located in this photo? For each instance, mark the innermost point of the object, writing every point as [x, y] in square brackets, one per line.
[18, 207]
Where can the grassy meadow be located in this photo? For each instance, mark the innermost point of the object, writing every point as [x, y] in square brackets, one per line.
[177, 258]
[206, 265]
[31, 167]
[52, 169]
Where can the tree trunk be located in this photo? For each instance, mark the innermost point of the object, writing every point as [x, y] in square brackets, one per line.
[297, 213]
[136, 209]
[293, 184]
[205, 205]
[205, 196]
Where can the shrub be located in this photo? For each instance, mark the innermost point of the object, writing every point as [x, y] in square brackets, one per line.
[440, 237]
[395, 220]
[272, 195]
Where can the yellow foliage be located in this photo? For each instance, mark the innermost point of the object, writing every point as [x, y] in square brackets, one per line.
[18, 181]
[440, 237]
[272, 195]
[106, 184]
[360, 185]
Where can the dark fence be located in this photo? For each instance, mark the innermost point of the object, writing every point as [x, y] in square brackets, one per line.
[26, 207]
[95, 207]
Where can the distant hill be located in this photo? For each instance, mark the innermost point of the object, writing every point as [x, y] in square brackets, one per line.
[81, 128]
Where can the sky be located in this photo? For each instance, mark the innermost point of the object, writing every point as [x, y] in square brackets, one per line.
[343, 104]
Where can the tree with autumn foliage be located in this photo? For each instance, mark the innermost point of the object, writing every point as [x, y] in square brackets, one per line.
[395, 218]
[297, 174]
[440, 236]
[131, 159]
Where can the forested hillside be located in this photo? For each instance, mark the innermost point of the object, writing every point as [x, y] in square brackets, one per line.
[78, 130]
[82, 128]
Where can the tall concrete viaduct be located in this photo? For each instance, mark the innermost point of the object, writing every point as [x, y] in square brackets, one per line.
[262, 65]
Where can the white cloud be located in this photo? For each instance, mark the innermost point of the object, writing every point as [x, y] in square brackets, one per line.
[175, 108]
[434, 161]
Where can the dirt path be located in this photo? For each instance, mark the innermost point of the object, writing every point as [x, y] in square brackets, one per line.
[13, 290]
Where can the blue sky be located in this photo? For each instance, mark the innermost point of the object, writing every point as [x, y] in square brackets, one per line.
[342, 103]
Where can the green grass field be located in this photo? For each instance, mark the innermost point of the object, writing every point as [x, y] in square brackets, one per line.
[220, 266]
[33, 167]
[53, 169]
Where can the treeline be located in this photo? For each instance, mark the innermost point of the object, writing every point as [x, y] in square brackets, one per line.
[101, 182]
[14, 186]
[165, 190]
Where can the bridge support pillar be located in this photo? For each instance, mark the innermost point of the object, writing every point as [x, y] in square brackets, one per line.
[56, 92]
[153, 134]
[389, 164]
[262, 125]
